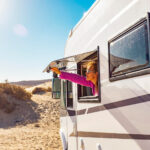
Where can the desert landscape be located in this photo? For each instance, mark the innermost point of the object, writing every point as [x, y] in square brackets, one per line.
[31, 124]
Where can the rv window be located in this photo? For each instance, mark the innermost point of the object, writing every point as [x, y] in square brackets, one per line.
[85, 93]
[56, 88]
[129, 51]
[69, 94]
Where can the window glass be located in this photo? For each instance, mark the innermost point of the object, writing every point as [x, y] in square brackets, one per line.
[56, 88]
[69, 94]
[129, 52]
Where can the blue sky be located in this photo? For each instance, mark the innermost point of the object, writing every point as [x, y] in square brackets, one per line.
[33, 33]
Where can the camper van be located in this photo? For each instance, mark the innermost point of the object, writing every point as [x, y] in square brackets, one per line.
[116, 34]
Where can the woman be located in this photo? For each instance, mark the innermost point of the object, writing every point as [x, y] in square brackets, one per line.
[91, 79]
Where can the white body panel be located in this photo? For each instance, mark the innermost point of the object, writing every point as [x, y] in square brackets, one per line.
[104, 20]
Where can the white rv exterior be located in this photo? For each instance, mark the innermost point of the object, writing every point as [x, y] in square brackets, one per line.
[120, 120]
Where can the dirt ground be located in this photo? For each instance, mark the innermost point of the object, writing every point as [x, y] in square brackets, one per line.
[34, 125]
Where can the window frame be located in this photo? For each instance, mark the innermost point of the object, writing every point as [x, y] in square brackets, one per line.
[142, 70]
[90, 99]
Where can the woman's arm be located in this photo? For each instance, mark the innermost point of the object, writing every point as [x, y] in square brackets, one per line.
[75, 78]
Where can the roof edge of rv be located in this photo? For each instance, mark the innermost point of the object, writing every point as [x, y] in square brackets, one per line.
[84, 17]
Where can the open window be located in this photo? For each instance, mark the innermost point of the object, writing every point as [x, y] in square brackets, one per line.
[129, 51]
[85, 93]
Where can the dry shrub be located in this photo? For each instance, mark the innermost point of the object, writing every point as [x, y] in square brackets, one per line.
[49, 89]
[15, 91]
[8, 107]
[8, 92]
[41, 90]
[3, 100]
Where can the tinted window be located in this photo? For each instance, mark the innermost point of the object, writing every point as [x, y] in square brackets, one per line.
[63, 97]
[129, 52]
[56, 88]
[69, 94]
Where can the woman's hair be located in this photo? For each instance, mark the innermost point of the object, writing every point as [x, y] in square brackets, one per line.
[92, 64]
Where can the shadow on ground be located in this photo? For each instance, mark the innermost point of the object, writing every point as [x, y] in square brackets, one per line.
[25, 112]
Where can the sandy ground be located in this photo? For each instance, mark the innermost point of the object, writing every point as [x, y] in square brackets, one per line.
[34, 125]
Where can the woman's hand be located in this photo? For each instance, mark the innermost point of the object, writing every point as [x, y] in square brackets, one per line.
[56, 70]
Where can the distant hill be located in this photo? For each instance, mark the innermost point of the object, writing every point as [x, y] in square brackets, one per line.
[30, 82]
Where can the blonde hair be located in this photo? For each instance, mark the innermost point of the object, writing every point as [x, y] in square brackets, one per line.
[92, 64]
